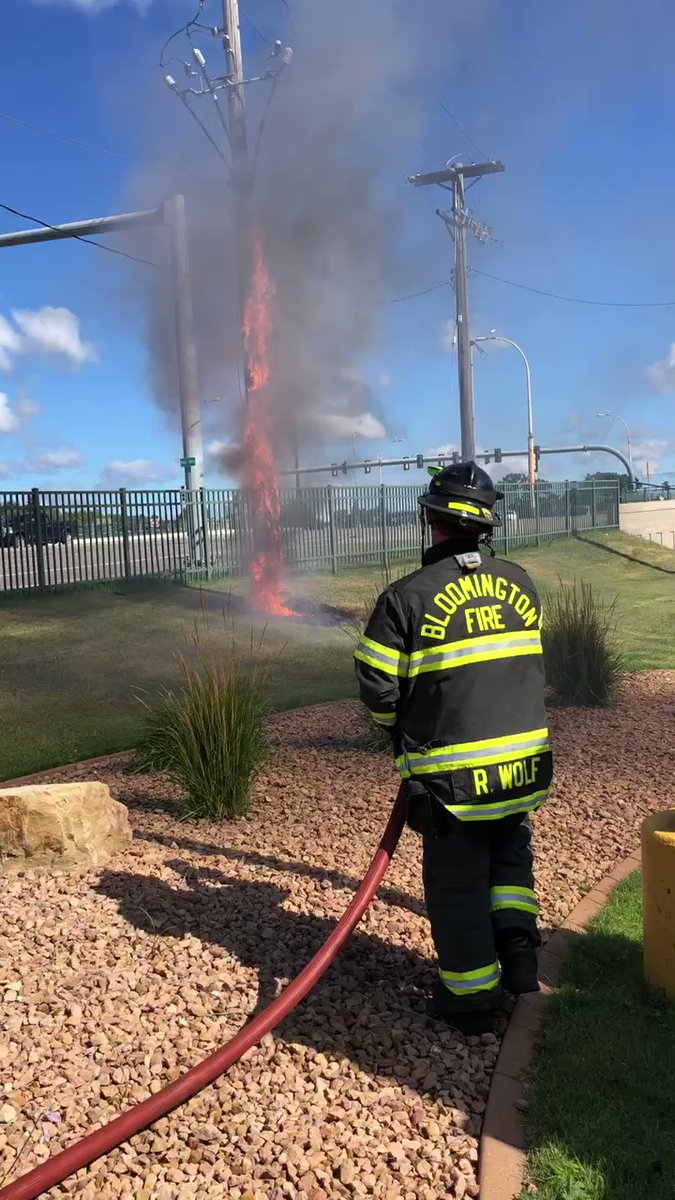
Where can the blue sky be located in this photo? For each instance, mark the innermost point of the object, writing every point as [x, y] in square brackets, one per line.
[580, 107]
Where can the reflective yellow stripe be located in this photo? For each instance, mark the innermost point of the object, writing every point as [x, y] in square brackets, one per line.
[506, 896]
[487, 648]
[383, 658]
[475, 754]
[463, 983]
[465, 508]
[498, 809]
[384, 718]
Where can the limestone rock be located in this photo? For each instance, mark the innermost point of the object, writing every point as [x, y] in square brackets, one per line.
[60, 826]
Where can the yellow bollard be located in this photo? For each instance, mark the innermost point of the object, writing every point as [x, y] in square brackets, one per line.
[658, 884]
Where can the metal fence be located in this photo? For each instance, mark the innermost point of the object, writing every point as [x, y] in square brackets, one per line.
[54, 540]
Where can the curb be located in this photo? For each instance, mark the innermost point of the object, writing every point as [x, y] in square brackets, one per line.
[502, 1154]
[46, 775]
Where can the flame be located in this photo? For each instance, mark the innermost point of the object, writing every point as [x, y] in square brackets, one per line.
[263, 473]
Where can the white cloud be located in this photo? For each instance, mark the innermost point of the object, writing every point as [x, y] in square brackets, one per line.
[345, 425]
[10, 343]
[59, 459]
[661, 374]
[8, 418]
[655, 451]
[135, 472]
[384, 379]
[53, 331]
[28, 408]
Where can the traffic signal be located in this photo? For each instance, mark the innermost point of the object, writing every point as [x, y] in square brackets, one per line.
[537, 456]
[498, 454]
[455, 456]
[420, 461]
[366, 469]
[406, 464]
[334, 470]
[344, 467]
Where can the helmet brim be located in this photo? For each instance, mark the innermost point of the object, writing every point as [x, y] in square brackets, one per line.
[438, 506]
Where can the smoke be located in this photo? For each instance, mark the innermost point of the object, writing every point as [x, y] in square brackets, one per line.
[329, 201]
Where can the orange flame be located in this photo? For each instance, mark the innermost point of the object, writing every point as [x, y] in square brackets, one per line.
[263, 473]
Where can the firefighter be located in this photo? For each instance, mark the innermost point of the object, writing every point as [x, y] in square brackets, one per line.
[451, 664]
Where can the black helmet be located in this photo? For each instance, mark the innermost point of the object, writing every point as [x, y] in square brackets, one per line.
[463, 493]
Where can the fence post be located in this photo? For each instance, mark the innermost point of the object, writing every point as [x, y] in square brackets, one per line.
[38, 542]
[331, 529]
[383, 529]
[125, 532]
[537, 525]
[593, 505]
[206, 538]
[568, 509]
[506, 510]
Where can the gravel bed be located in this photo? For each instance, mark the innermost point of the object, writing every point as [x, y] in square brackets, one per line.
[116, 980]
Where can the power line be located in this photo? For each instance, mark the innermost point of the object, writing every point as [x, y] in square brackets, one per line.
[76, 237]
[61, 136]
[576, 299]
[414, 295]
[461, 128]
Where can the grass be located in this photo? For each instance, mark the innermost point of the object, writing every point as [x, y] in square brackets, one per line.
[601, 1105]
[69, 663]
[583, 666]
[209, 735]
[70, 666]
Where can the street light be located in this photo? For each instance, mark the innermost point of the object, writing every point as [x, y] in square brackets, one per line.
[607, 413]
[531, 463]
[391, 442]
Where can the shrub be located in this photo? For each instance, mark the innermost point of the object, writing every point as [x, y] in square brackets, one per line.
[583, 665]
[209, 736]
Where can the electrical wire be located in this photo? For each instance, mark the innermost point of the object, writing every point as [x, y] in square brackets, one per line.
[61, 136]
[77, 237]
[576, 299]
[186, 104]
[259, 32]
[414, 295]
[263, 121]
[461, 128]
[206, 78]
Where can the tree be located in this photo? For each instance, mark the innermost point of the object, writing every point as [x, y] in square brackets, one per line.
[516, 477]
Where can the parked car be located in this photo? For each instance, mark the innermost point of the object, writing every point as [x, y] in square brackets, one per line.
[24, 531]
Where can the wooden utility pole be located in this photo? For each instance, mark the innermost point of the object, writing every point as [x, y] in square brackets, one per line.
[458, 222]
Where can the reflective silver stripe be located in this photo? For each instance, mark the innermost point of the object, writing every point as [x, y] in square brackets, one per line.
[474, 983]
[503, 898]
[440, 760]
[492, 812]
[486, 648]
[384, 718]
[377, 655]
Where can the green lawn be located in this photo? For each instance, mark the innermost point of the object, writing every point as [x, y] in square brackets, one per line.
[601, 1108]
[69, 663]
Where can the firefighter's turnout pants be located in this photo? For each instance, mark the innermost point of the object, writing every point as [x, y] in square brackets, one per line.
[478, 882]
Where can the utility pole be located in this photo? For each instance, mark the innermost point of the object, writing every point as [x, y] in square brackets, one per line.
[188, 385]
[241, 179]
[466, 404]
[458, 222]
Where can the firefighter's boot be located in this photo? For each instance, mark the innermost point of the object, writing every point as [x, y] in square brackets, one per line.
[517, 954]
[471, 1023]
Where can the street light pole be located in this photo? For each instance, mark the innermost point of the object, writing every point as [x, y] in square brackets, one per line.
[607, 413]
[392, 442]
[531, 460]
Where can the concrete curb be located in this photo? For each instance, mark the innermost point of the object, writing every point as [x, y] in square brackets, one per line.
[503, 1159]
[47, 775]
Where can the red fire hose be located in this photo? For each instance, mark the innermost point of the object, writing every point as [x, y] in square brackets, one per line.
[135, 1119]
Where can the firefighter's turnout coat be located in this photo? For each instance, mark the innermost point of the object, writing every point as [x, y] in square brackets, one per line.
[451, 662]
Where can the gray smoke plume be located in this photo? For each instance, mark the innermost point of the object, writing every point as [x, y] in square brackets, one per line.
[329, 199]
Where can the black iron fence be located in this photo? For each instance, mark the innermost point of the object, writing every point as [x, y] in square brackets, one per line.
[53, 540]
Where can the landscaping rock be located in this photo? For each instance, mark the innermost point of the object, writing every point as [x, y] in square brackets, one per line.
[103, 972]
[60, 826]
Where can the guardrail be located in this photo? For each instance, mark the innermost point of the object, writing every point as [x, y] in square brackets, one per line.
[55, 540]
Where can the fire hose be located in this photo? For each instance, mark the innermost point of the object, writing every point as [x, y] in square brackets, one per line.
[135, 1120]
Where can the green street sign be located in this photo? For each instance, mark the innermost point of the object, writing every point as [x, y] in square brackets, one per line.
[188, 462]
